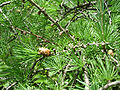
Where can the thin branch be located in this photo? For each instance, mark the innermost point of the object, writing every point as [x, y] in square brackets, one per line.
[46, 15]
[41, 70]
[13, 38]
[27, 32]
[90, 44]
[65, 71]
[11, 85]
[5, 3]
[81, 6]
[51, 19]
[84, 46]
[75, 8]
[114, 59]
[24, 20]
[66, 26]
[34, 64]
[101, 18]
[110, 85]
[89, 16]
[86, 76]
[71, 2]
[13, 28]
[27, 15]
[118, 63]
[78, 17]
[109, 12]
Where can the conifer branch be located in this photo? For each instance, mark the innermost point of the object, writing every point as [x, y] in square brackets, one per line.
[46, 15]
[27, 32]
[51, 19]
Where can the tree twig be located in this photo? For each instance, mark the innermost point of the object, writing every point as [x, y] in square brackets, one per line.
[11, 85]
[33, 66]
[65, 71]
[27, 32]
[5, 3]
[51, 19]
[66, 26]
[90, 44]
[46, 15]
[80, 6]
[101, 19]
[118, 63]
[86, 75]
[110, 85]
[109, 12]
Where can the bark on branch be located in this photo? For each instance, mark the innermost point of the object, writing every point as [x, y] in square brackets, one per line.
[5, 3]
[27, 32]
[110, 85]
[86, 76]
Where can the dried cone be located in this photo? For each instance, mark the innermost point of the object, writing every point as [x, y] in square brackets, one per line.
[110, 52]
[44, 51]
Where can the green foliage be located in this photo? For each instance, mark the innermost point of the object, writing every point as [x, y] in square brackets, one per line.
[83, 48]
[101, 72]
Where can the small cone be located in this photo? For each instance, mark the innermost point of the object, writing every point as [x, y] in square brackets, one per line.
[110, 52]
